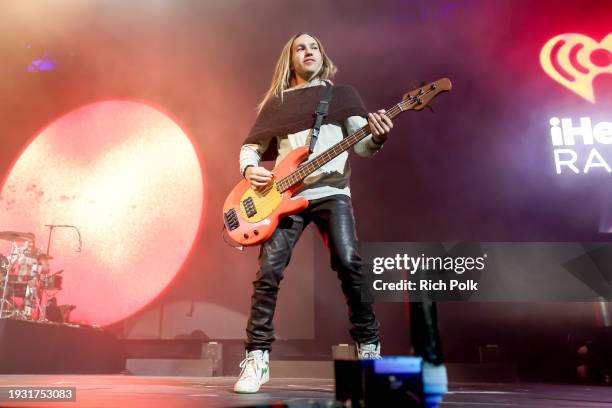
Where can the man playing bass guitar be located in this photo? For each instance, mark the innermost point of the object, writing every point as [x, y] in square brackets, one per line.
[285, 122]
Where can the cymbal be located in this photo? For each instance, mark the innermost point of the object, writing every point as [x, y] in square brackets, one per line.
[17, 236]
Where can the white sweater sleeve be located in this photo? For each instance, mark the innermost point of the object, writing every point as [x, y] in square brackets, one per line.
[366, 146]
[250, 154]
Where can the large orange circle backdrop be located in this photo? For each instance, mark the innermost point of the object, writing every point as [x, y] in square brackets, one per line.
[129, 178]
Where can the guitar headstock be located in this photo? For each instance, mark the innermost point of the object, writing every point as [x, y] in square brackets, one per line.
[419, 98]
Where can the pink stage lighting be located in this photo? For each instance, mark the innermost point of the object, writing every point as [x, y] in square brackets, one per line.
[130, 179]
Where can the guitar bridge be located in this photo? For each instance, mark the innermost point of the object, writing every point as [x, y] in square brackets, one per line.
[249, 207]
[231, 219]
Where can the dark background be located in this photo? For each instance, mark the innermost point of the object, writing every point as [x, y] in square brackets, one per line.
[480, 168]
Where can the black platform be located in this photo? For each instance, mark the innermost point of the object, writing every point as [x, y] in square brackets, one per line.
[50, 348]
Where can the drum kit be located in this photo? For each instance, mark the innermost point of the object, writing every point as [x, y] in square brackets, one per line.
[26, 280]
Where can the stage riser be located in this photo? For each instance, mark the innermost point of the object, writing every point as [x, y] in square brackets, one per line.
[170, 368]
[41, 348]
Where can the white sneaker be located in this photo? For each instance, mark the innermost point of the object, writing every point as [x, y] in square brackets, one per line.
[255, 372]
[435, 384]
[368, 351]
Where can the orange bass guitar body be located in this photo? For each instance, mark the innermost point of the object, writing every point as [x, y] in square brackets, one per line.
[251, 216]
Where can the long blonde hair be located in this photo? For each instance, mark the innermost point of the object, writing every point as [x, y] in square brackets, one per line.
[284, 74]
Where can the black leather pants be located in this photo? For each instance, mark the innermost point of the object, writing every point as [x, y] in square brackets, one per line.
[333, 216]
[424, 331]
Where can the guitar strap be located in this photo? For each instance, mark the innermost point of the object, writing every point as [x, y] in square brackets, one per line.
[320, 113]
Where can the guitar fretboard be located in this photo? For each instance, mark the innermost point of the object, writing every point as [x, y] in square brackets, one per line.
[299, 174]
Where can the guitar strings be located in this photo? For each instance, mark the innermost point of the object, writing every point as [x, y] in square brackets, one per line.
[304, 170]
[300, 173]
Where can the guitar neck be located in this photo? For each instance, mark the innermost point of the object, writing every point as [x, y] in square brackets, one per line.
[303, 171]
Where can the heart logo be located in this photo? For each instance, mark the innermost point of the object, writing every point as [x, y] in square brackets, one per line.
[574, 60]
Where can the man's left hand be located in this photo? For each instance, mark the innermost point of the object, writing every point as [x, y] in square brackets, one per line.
[380, 126]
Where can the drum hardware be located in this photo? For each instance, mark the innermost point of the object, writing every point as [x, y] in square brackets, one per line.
[15, 236]
[5, 278]
[4, 262]
[53, 281]
[8, 307]
[25, 279]
[53, 226]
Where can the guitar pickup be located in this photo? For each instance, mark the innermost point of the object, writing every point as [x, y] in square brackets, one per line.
[231, 219]
[249, 207]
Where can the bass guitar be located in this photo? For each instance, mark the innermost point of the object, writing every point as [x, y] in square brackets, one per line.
[250, 216]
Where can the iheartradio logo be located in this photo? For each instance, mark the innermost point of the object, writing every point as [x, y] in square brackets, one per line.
[574, 60]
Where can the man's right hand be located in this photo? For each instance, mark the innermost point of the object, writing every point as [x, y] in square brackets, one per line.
[258, 177]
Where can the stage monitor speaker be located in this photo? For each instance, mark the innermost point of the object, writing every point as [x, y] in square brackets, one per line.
[388, 382]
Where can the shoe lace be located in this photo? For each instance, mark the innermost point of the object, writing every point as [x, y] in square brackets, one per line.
[250, 362]
[369, 351]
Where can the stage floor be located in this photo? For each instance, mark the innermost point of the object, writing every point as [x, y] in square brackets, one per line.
[215, 392]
